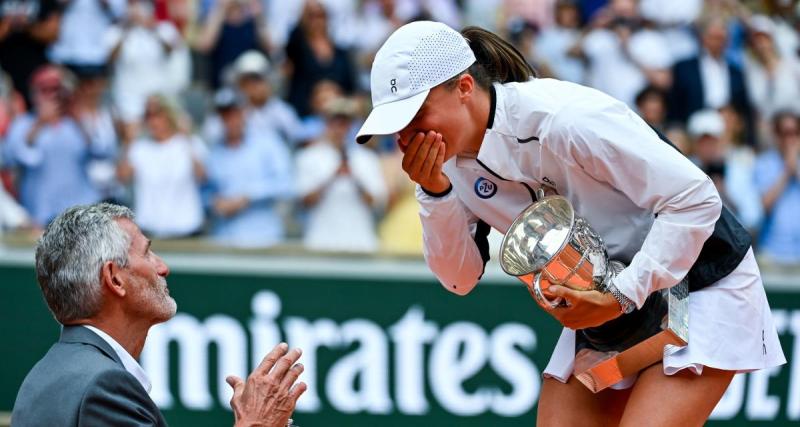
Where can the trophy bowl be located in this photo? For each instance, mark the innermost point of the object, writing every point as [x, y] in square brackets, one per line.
[548, 244]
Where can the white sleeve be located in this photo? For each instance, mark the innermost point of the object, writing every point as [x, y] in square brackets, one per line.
[168, 33]
[615, 146]
[137, 154]
[112, 37]
[369, 175]
[19, 151]
[314, 168]
[650, 49]
[449, 247]
[289, 122]
[599, 44]
[198, 147]
[12, 215]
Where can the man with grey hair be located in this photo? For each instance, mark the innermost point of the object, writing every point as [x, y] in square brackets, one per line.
[107, 288]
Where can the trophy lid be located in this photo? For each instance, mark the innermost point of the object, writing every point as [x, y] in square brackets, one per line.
[536, 236]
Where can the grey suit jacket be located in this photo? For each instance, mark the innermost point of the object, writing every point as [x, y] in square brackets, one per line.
[82, 382]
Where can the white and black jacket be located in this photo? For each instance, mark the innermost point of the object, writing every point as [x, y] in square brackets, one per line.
[654, 209]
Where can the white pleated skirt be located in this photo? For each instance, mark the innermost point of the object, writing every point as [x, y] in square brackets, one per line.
[730, 328]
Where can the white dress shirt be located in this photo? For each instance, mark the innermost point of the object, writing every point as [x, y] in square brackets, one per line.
[166, 193]
[775, 91]
[341, 220]
[130, 364]
[716, 81]
[142, 66]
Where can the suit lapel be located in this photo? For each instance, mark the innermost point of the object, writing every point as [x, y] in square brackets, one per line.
[82, 335]
[697, 79]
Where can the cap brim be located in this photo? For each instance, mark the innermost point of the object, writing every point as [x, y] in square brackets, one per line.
[392, 117]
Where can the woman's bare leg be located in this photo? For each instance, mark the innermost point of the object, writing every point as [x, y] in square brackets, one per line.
[683, 399]
[572, 404]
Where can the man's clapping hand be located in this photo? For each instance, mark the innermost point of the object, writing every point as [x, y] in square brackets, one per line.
[268, 397]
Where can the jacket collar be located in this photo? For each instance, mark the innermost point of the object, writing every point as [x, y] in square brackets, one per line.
[492, 106]
[498, 114]
[495, 155]
[80, 335]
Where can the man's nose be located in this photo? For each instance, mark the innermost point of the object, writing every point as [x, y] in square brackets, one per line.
[161, 268]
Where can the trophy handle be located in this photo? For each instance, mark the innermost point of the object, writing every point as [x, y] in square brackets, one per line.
[539, 295]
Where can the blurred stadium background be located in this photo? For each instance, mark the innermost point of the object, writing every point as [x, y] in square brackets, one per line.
[227, 125]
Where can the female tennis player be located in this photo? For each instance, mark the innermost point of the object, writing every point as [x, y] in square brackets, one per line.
[480, 133]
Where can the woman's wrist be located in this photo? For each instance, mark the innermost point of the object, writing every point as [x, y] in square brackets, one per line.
[437, 188]
[442, 193]
[625, 303]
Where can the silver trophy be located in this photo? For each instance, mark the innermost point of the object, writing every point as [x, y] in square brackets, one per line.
[548, 244]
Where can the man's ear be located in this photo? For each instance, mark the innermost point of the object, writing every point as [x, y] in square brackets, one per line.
[112, 279]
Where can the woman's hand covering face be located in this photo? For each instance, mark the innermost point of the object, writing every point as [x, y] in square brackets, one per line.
[423, 159]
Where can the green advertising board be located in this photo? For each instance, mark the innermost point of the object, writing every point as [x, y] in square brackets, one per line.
[382, 346]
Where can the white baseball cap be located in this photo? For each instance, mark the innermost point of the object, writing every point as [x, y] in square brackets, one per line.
[706, 122]
[413, 60]
[251, 62]
[761, 24]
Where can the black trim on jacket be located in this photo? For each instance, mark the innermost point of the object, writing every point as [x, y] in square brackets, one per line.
[482, 242]
[722, 252]
[492, 106]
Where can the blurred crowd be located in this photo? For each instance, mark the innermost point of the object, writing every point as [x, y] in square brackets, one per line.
[234, 120]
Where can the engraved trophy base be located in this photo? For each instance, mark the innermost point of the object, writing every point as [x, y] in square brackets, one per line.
[602, 359]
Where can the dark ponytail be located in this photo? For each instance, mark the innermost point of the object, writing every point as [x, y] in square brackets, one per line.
[497, 59]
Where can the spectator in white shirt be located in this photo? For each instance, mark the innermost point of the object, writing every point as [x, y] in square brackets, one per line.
[165, 167]
[674, 18]
[341, 185]
[787, 38]
[83, 24]
[624, 56]
[773, 80]
[556, 44]
[376, 19]
[148, 57]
